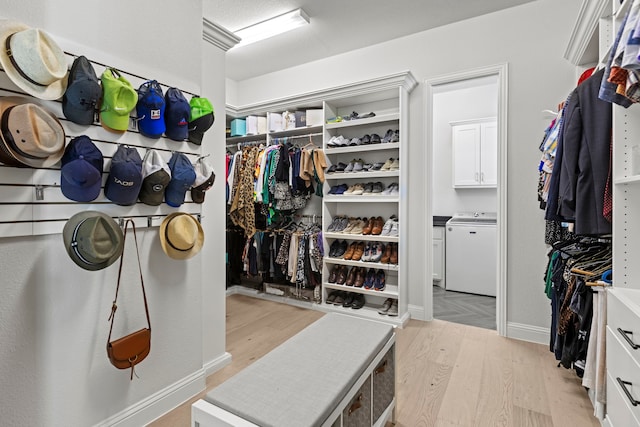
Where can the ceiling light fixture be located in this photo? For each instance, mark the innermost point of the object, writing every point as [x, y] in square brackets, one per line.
[271, 27]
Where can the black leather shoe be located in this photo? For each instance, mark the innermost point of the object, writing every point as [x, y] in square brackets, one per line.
[333, 248]
[341, 249]
[358, 302]
[348, 300]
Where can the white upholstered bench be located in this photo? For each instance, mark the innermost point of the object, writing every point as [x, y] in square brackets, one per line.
[338, 371]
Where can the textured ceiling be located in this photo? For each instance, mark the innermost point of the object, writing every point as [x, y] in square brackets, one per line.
[337, 26]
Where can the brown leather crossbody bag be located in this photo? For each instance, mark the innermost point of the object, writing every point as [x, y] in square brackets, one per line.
[128, 351]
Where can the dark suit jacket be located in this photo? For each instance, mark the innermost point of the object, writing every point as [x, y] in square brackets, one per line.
[585, 159]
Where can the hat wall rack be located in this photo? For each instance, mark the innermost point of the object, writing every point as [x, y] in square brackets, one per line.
[31, 199]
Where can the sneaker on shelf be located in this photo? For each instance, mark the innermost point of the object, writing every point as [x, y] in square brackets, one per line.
[368, 188]
[367, 166]
[394, 229]
[395, 165]
[358, 165]
[393, 310]
[376, 252]
[344, 223]
[350, 225]
[387, 165]
[336, 119]
[331, 297]
[366, 255]
[355, 141]
[380, 281]
[366, 139]
[387, 191]
[350, 189]
[332, 168]
[375, 138]
[340, 167]
[395, 189]
[370, 279]
[386, 228]
[349, 167]
[388, 136]
[339, 299]
[348, 299]
[378, 187]
[341, 189]
[357, 190]
[385, 306]
[396, 136]
[377, 166]
[357, 227]
[334, 223]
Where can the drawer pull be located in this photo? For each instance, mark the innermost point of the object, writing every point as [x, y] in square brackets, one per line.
[625, 335]
[624, 385]
[380, 369]
[356, 405]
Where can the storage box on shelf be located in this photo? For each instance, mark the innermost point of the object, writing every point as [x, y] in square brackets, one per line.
[360, 152]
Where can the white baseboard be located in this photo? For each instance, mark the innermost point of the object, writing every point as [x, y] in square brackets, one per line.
[216, 364]
[530, 333]
[417, 312]
[158, 403]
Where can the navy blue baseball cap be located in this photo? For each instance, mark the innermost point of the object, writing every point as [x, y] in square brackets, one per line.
[176, 114]
[83, 93]
[150, 110]
[125, 176]
[183, 175]
[81, 171]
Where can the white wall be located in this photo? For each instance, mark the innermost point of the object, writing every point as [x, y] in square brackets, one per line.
[531, 38]
[53, 315]
[454, 102]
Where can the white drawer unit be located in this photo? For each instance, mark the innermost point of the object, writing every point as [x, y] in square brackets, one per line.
[623, 357]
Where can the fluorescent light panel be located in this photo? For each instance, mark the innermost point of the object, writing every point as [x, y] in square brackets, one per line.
[272, 27]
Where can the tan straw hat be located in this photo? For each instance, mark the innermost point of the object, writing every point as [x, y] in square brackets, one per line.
[181, 235]
[30, 135]
[33, 60]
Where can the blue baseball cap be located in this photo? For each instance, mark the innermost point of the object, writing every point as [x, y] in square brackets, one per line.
[183, 175]
[150, 110]
[176, 114]
[81, 171]
[125, 176]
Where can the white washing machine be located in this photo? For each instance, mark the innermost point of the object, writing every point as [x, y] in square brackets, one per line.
[471, 252]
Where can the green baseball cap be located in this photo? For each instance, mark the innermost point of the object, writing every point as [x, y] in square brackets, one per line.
[201, 119]
[119, 98]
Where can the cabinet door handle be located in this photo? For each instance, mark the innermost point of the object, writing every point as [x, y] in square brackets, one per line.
[624, 385]
[482, 177]
[356, 405]
[476, 177]
[625, 335]
[380, 369]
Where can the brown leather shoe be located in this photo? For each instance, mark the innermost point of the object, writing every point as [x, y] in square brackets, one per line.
[359, 277]
[368, 225]
[351, 277]
[386, 256]
[357, 254]
[341, 276]
[334, 274]
[394, 254]
[349, 253]
[376, 228]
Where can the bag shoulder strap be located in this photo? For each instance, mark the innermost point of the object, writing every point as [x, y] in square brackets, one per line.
[114, 306]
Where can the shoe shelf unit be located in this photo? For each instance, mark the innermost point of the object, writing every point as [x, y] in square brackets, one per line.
[390, 106]
[269, 137]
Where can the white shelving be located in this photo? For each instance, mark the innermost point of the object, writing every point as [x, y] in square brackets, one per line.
[390, 106]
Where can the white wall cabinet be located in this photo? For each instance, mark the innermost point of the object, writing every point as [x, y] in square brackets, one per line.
[475, 153]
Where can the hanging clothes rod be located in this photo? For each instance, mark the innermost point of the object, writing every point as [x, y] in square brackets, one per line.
[309, 135]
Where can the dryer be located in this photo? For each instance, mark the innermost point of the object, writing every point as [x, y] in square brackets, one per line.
[471, 253]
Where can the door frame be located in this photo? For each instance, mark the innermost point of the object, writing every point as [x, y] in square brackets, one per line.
[501, 71]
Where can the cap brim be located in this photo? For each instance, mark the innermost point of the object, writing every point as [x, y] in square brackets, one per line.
[11, 101]
[174, 253]
[174, 198]
[114, 122]
[51, 92]
[196, 137]
[67, 236]
[77, 115]
[81, 194]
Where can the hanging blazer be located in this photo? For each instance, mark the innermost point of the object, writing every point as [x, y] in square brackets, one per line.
[585, 159]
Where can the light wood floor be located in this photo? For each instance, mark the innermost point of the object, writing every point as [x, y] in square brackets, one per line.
[448, 374]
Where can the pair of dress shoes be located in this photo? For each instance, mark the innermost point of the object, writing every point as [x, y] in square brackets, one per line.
[338, 248]
[346, 299]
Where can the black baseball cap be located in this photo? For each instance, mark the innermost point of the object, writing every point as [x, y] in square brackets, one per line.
[83, 93]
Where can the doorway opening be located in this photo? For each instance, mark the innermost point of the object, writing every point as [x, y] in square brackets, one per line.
[466, 157]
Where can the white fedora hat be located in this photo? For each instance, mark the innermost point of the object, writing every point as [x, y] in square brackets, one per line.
[33, 60]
